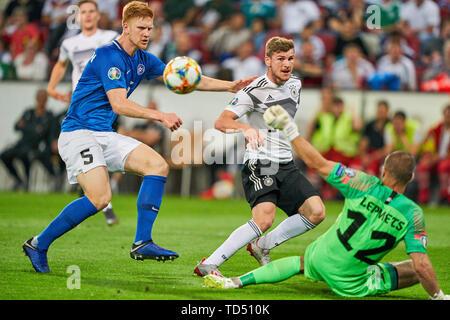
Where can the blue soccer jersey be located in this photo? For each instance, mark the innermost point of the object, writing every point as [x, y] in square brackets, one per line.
[109, 68]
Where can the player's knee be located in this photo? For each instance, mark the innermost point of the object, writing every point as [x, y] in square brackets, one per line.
[265, 223]
[264, 216]
[158, 167]
[100, 201]
[317, 213]
[164, 167]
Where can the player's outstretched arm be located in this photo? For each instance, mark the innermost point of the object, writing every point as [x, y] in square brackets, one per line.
[56, 76]
[427, 277]
[278, 118]
[211, 84]
[226, 122]
[121, 105]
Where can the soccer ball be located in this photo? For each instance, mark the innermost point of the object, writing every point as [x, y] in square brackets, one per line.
[182, 75]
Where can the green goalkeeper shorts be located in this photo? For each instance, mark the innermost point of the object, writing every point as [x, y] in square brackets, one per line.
[379, 278]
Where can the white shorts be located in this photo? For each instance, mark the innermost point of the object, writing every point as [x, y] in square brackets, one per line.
[83, 150]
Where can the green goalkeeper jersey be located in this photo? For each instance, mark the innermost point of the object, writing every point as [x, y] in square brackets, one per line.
[372, 223]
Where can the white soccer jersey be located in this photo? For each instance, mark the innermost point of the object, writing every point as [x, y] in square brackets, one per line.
[79, 49]
[253, 101]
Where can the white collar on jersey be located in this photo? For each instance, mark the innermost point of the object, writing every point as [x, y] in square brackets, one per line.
[273, 85]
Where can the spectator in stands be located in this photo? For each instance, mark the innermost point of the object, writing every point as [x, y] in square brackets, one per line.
[6, 69]
[259, 30]
[352, 71]
[212, 13]
[258, 9]
[31, 64]
[438, 62]
[35, 126]
[181, 46]
[437, 76]
[224, 41]
[340, 11]
[396, 63]
[245, 64]
[307, 34]
[407, 45]
[183, 10]
[336, 136]
[157, 41]
[437, 44]
[24, 32]
[348, 34]
[295, 15]
[54, 16]
[32, 8]
[309, 68]
[421, 17]
[326, 103]
[435, 159]
[57, 161]
[402, 134]
[371, 145]
[110, 8]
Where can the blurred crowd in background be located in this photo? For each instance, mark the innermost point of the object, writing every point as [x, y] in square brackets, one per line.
[337, 47]
[404, 46]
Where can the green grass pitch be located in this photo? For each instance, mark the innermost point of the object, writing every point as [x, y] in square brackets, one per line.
[192, 227]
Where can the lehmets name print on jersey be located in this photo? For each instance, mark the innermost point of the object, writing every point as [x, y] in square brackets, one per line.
[114, 73]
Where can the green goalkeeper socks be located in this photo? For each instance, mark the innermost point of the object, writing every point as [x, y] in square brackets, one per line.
[275, 271]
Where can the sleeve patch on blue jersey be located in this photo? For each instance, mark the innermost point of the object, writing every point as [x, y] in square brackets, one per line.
[114, 73]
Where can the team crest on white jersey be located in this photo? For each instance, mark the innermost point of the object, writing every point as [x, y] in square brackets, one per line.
[114, 73]
[295, 92]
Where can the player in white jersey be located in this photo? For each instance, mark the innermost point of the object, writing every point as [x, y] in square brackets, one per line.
[269, 176]
[78, 50]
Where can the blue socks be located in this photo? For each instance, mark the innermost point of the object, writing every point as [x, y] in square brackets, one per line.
[148, 203]
[72, 215]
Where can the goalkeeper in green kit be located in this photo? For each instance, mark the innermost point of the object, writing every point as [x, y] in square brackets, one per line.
[375, 218]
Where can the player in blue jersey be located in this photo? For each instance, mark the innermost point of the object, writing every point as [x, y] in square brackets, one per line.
[90, 148]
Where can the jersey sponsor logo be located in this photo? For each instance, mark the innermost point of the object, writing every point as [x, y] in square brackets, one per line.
[114, 73]
[140, 69]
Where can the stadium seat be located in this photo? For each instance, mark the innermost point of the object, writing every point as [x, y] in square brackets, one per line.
[198, 40]
[329, 40]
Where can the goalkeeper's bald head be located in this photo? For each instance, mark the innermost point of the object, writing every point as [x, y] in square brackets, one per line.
[400, 166]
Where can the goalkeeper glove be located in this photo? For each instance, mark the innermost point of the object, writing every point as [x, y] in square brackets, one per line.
[440, 296]
[278, 118]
